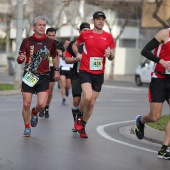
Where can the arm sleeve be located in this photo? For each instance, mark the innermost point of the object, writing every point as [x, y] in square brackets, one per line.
[147, 50]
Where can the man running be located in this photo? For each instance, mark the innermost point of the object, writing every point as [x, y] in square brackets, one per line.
[36, 51]
[51, 33]
[70, 58]
[65, 72]
[98, 45]
[159, 88]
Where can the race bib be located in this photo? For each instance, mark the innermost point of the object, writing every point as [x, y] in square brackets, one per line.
[51, 62]
[167, 72]
[96, 63]
[30, 79]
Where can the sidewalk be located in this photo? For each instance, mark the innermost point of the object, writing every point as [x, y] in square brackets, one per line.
[6, 78]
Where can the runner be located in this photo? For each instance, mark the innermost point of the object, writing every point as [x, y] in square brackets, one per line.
[159, 88]
[36, 51]
[65, 79]
[70, 58]
[51, 33]
[98, 45]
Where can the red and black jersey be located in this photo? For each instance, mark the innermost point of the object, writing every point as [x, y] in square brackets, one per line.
[163, 52]
[38, 52]
[69, 53]
[94, 50]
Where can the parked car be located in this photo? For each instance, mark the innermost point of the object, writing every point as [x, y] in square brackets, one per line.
[143, 72]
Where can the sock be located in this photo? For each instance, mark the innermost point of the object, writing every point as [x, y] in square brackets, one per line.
[46, 107]
[83, 123]
[27, 125]
[75, 111]
[34, 112]
[164, 147]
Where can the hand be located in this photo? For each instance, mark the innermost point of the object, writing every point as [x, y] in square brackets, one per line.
[78, 57]
[21, 58]
[60, 53]
[56, 75]
[165, 64]
[107, 53]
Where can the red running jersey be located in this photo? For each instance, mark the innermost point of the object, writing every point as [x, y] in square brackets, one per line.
[38, 52]
[93, 59]
[163, 52]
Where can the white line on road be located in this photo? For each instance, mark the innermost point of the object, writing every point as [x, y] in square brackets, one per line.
[100, 130]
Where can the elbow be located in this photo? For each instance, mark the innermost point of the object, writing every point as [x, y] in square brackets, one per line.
[143, 52]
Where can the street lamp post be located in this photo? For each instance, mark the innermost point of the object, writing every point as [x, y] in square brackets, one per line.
[19, 30]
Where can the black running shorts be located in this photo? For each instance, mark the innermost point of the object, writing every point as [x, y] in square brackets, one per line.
[41, 86]
[52, 74]
[66, 73]
[159, 90]
[76, 87]
[96, 80]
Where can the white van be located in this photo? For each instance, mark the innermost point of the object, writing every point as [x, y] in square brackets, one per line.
[143, 72]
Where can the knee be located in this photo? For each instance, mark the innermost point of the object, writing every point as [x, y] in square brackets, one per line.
[26, 105]
[41, 105]
[154, 118]
[76, 102]
[87, 99]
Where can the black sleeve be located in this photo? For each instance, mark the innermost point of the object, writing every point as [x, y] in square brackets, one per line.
[69, 48]
[59, 45]
[147, 50]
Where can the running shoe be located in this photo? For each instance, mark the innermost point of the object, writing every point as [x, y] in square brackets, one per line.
[139, 130]
[67, 93]
[63, 101]
[78, 125]
[82, 133]
[34, 120]
[46, 113]
[41, 114]
[164, 154]
[27, 132]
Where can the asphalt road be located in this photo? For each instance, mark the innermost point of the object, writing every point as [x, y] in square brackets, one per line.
[53, 146]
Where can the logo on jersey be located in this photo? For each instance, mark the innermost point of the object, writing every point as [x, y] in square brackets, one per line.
[103, 38]
[91, 36]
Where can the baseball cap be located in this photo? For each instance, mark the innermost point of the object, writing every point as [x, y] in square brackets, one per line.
[84, 25]
[99, 14]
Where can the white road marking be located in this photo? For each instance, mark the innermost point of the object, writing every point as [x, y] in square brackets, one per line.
[100, 130]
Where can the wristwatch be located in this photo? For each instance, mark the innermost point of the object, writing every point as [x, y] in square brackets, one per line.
[56, 69]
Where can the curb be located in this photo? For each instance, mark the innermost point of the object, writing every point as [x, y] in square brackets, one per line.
[10, 92]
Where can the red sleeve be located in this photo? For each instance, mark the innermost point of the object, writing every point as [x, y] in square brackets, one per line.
[67, 54]
[53, 51]
[80, 39]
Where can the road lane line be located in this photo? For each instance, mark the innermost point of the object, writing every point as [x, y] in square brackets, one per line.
[100, 130]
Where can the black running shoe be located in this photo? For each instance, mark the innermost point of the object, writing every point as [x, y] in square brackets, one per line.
[139, 130]
[46, 114]
[164, 154]
[41, 114]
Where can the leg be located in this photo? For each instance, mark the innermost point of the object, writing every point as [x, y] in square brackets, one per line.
[68, 85]
[89, 109]
[51, 87]
[153, 116]
[27, 98]
[63, 88]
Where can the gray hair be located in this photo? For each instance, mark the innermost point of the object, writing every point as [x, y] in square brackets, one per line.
[38, 18]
